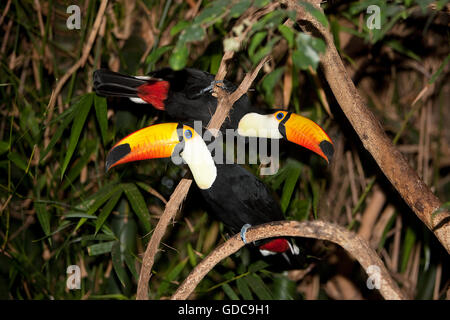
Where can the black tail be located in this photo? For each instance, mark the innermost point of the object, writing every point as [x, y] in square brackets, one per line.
[112, 84]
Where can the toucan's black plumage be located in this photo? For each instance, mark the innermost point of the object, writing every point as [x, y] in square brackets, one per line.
[238, 198]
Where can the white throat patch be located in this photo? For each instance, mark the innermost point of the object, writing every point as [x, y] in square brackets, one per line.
[258, 125]
[200, 161]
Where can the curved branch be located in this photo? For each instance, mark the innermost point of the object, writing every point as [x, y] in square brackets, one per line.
[352, 243]
[391, 161]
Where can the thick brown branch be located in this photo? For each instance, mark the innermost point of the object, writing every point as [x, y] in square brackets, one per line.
[405, 179]
[224, 105]
[352, 243]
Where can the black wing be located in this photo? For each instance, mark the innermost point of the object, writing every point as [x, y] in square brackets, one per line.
[237, 197]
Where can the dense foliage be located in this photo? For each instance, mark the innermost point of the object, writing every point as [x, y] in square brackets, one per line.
[59, 207]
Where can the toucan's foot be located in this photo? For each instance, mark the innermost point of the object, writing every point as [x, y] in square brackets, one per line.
[244, 231]
[209, 88]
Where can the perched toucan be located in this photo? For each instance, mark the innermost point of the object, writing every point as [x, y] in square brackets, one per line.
[233, 195]
[185, 95]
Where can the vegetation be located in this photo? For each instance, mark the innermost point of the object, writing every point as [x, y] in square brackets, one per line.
[58, 207]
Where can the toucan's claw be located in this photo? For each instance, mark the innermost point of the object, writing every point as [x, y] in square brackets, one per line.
[209, 88]
[244, 231]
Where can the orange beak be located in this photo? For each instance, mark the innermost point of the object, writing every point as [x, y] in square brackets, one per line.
[307, 133]
[157, 141]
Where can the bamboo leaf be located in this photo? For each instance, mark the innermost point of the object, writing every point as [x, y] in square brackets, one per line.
[138, 204]
[57, 135]
[102, 118]
[243, 289]
[43, 217]
[130, 261]
[84, 106]
[295, 168]
[98, 200]
[171, 276]
[100, 248]
[408, 244]
[229, 292]
[119, 267]
[107, 209]
[258, 287]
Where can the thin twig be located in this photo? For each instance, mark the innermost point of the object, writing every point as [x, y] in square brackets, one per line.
[352, 243]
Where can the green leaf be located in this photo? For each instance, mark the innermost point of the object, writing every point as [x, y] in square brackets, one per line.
[300, 209]
[260, 3]
[119, 267]
[138, 204]
[287, 33]
[239, 8]
[79, 215]
[408, 244]
[129, 260]
[171, 276]
[83, 108]
[284, 289]
[192, 33]
[102, 118]
[100, 248]
[243, 289]
[211, 12]
[178, 59]
[316, 196]
[264, 51]
[180, 26]
[68, 117]
[270, 81]
[156, 54]
[4, 146]
[271, 20]
[307, 51]
[107, 209]
[18, 160]
[98, 200]
[75, 171]
[229, 292]
[397, 46]
[294, 168]
[43, 217]
[316, 13]
[258, 287]
[257, 266]
[191, 255]
[256, 40]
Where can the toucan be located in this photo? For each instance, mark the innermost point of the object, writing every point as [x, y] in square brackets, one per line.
[186, 96]
[233, 195]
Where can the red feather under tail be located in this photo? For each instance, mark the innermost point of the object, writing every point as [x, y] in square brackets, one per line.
[154, 92]
[276, 245]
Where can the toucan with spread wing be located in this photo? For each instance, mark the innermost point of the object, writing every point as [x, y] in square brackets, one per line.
[186, 96]
[233, 195]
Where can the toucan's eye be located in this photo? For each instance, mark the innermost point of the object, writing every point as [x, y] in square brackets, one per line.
[188, 134]
[279, 115]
